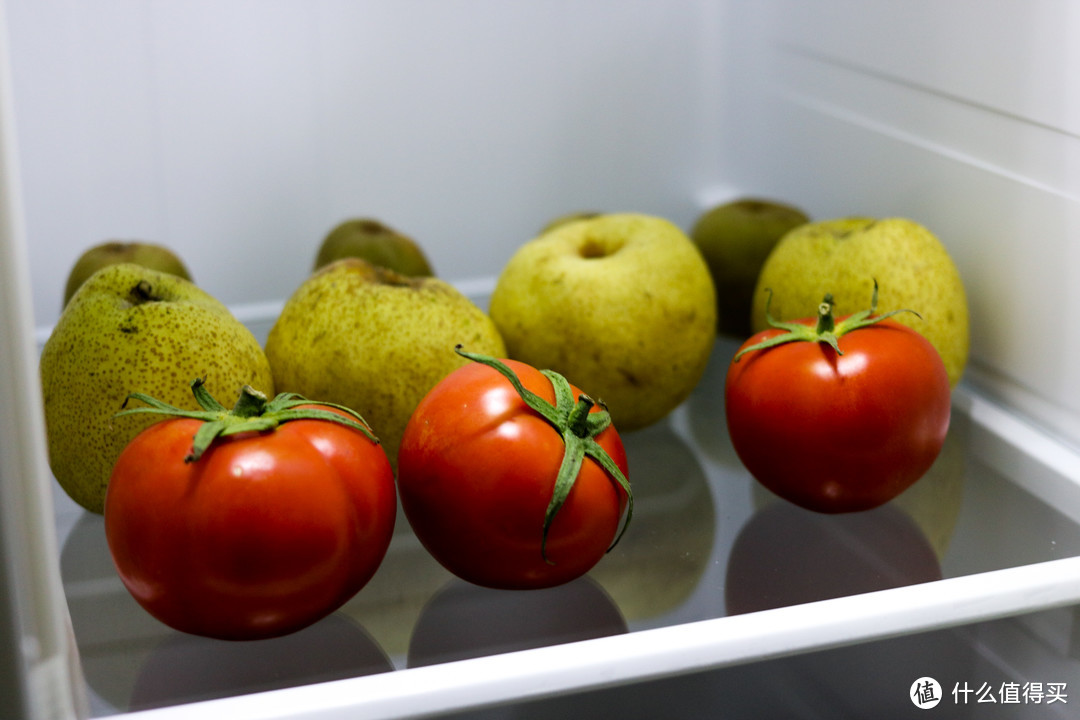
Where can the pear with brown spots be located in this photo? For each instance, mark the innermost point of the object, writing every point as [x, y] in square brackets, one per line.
[132, 329]
[366, 337]
[844, 256]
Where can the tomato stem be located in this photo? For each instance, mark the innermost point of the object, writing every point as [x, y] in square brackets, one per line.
[827, 330]
[251, 413]
[579, 416]
[251, 403]
[825, 321]
[574, 420]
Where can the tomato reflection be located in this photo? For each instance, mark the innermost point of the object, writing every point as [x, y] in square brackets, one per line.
[186, 668]
[464, 621]
[786, 555]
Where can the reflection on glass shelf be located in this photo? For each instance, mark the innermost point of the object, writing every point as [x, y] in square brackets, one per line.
[463, 621]
[132, 661]
[706, 541]
[185, 668]
[665, 554]
[785, 555]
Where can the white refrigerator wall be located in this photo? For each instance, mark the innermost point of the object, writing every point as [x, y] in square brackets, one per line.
[961, 114]
[240, 131]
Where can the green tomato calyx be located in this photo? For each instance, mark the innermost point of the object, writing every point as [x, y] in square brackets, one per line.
[253, 412]
[574, 420]
[827, 330]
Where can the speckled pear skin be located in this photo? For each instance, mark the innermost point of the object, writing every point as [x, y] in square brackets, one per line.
[132, 329]
[375, 341]
[844, 256]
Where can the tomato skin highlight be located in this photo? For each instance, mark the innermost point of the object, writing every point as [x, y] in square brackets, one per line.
[839, 433]
[265, 534]
[476, 470]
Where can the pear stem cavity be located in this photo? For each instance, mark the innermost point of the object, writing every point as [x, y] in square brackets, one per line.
[251, 413]
[143, 292]
[578, 426]
[827, 330]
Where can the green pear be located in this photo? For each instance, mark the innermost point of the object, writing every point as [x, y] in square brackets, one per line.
[363, 336]
[377, 243]
[131, 329]
[735, 239]
[113, 252]
[622, 305]
[844, 257]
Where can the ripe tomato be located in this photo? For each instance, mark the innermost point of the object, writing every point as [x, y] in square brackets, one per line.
[265, 533]
[838, 429]
[477, 471]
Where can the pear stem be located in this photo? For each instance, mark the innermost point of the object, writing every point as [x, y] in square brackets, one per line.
[143, 292]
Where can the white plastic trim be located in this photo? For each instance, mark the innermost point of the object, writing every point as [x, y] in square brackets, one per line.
[657, 653]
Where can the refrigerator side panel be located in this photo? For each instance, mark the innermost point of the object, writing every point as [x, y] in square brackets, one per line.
[39, 675]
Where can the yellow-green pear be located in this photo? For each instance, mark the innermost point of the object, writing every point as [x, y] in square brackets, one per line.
[844, 257]
[377, 243]
[132, 329]
[114, 252]
[621, 304]
[363, 336]
[735, 238]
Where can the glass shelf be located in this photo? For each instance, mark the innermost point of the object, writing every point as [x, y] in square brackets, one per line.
[713, 572]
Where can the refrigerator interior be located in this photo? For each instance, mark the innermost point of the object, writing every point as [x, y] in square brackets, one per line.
[239, 132]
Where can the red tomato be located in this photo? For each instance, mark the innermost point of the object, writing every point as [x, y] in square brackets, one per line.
[264, 534]
[476, 471]
[839, 433]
